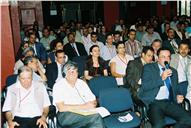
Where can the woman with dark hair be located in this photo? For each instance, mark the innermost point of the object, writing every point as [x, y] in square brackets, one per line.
[118, 64]
[95, 65]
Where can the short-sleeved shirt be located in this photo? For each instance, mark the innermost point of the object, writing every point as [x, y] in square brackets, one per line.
[79, 94]
[120, 66]
[26, 104]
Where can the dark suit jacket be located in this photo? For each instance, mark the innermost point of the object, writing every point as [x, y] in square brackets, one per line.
[152, 81]
[51, 74]
[167, 44]
[41, 51]
[133, 75]
[72, 53]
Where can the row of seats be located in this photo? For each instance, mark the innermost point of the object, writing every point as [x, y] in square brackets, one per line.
[116, 100]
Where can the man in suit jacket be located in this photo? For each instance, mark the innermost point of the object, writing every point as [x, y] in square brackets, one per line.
[73, 48]
[39, 49]
[160, 93]
[54, 70]
[134, 70]
[180, 62]
[171, 43]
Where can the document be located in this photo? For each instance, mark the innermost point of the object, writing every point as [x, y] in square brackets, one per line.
[101, 110]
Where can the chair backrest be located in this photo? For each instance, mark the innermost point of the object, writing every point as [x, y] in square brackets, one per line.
[11, 79]
[81, 61]
[99, 83]
[116, 99]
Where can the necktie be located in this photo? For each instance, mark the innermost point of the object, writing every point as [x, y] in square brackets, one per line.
[168, 85]
[75, 52]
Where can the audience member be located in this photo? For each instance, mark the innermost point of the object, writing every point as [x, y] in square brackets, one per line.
[156, 44]
[139, 32]
[54, 70]
[117, 37]
[102, 35]
[95, 65]
[46, 39]
[109, 50]
[86, 37]
[32, 62]
[132, 46]
[164, 35]
[94, 42]
[118, 64]
[22, 47]
[72, 94]
[188, 95]
[27, 102]
[55, 45]
[39, 49]
[134, 71]
[171, 43]
[149, 36]
[180, 62]
[27, 52]
[159, 91]
[73, 48]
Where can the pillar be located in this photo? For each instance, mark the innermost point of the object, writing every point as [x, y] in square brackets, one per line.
[111, 13]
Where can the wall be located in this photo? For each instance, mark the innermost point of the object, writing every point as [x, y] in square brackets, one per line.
[38, 7]
[15, 24]
[111, 13]
[167, 10]
[7, 49]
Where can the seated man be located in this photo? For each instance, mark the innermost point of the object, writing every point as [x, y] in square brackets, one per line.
[159, 92]
[70, 94]
[180, 62]
[26, 52]
[27, 102]
[54, 70]
[134, 71]
[32, 62]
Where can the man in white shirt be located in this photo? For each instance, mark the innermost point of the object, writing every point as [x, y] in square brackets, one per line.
[180, 62]
[71, 94]
[27, 102]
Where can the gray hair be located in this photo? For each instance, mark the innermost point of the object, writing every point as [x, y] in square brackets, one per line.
[69, 65]
[27, 50]
[28, 59]
[24, 69]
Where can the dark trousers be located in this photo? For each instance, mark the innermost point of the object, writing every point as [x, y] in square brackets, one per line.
[161, 108]
[182, 87]
[26, 122]
[72, 120]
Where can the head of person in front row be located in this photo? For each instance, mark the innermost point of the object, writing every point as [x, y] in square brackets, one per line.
[27, 102]
[95, 65]
[70, 95]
